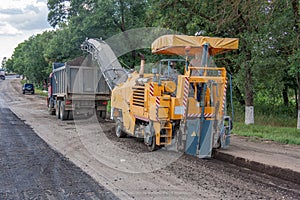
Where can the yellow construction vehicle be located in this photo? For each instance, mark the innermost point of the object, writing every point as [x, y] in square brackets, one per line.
[186, 111]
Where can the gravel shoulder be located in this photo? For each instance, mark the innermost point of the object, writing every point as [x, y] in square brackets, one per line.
[125, 167]
[266, 152]
[266, 156]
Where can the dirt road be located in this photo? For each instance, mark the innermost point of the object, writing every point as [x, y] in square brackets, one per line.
[125, 167]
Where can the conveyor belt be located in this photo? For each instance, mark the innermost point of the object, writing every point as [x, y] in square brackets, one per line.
[110, 67]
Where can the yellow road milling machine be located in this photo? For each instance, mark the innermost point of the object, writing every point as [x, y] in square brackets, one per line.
[185, 112]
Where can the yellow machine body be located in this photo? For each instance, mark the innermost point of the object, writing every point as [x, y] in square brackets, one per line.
[156, 107]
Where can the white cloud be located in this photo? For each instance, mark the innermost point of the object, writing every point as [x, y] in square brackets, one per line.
[23, 15]
[19, 19]
[7, 29]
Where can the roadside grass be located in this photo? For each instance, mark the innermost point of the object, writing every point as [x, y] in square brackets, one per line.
[41, 92]
[284, 135]
[271, 122]
[269, 115]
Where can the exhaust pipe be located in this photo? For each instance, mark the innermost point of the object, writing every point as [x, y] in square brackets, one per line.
[142, 69]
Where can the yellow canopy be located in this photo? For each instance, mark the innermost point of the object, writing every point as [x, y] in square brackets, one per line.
[175, 44]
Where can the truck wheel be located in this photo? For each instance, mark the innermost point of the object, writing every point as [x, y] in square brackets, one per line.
[119, 129]
[70, 115]
[57, 109]
[101, 114]
[50, 108]
[63, 112]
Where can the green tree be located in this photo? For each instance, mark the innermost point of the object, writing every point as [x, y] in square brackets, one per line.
[95, 19]
[18, 57]
[59, 11]
[9, 65]
[294, 58]
[28, 58]
[63, 46]
[3, 62]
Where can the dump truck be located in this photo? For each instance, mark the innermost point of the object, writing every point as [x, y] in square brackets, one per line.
[78, 88]
[186, 112]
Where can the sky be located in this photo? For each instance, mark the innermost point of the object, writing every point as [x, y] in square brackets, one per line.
[20, 19]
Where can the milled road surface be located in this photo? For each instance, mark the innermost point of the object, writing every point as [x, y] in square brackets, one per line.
[125, 167]
[30, 169]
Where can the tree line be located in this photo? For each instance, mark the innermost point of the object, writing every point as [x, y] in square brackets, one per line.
[265, 68]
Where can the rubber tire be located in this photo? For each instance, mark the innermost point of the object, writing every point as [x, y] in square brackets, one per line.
[63, 112]
[101, 115]
[57, 109]
[152, 146]
[119, 128]
[70, 115]
[50, 106]
[98, 113]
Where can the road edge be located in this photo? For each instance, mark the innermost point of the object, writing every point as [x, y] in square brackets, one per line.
[282, 173]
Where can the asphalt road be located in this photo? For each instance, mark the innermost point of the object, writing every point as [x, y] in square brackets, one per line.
[30, 169]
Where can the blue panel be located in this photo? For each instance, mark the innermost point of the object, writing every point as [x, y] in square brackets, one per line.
[200, 147]
[57, 65]
[206, 139]
[193, 130]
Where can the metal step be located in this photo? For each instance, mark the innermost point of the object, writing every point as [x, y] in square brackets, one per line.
[164, 143]
[165, 136]
[168, 128]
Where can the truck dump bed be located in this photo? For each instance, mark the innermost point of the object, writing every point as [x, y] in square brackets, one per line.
[78, 77]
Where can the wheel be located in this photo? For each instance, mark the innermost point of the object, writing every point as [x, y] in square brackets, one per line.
[63, 112]
[98, 115]
[149, 137]
[57, 109]
[70, 115]
[151, 146]
[101, 114]
[119, 129]
[50, 108]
